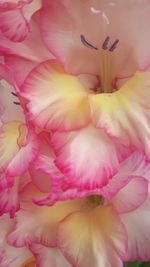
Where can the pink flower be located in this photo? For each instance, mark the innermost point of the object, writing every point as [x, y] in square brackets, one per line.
[100, 229]
[74, 133]
[18, 147]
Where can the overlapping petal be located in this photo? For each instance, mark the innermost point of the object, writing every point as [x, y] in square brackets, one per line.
[88, 157]
[21, 151]
[124, 114]
[137, 226]
[18, 144]
[63, 24]
[15, 17]
[27, 48]
[131, 196]
[10, 197]
[56, 100]
[10, 200]
[10, 256]
[127, 189]
[13, 24]
[42, 221]
[98, 234]
[48, 257]
[86, 202]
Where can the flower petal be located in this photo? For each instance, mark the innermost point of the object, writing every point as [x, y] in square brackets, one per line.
[10, 200]
[49, 179]
[88, 157]
[63, 24]
[18, 148]
[98, 234]
[15, 17]
[40, 173]
[10, 196]
[135, 168]
[20, 68]
[27, 49]
[10, 256]
[56, 100]
[38, 224]
[48, 257]
[8, 135]
[24, 157]
[131, 196]
[13, 24]
[137, 225]
[124, 114]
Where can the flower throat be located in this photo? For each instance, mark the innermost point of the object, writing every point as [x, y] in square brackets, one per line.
[106, 48]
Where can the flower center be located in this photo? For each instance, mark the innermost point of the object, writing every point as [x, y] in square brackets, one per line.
[95, 200]
[105, 52]
[105, 60]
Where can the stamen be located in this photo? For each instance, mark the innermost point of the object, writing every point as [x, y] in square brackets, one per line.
[13, 93]
[114, 45]
[105, 18]
[86, 43]
[105, 44]
[16, 103]
[94, 10]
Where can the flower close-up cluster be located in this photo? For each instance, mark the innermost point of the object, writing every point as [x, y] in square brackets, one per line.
[74, 133]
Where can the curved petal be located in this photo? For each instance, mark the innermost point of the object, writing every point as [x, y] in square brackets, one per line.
[8, 135]
[42, 167]
[14, 19]
[6, 226]
[134, 167]
[63, 24]
[13, 25]
[131, 196]
[124, 114]
[131, 175]
[40, 173]
[27, 48]
[20, 68]
[10, 256]
[10, 200]
[88, 157]
[48, 178]
[38, 224]
[48, 257]
[56, 100]
[27, 154]
[18, 149]
[137, 225]
[10, 196]
[98, 234]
